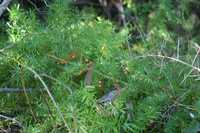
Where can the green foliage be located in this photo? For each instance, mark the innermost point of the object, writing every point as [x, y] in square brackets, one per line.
[60, 51]
[163, 23]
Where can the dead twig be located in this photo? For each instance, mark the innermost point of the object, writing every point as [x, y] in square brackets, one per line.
[85, 2]
[15, 90]
[4, 5]
[11, 119]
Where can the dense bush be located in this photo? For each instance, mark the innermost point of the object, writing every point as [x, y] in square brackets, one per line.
[157, 94]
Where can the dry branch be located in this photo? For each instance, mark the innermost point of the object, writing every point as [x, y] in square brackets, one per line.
[4, 5]
[15, 90]
[18, 90]
[10, 119]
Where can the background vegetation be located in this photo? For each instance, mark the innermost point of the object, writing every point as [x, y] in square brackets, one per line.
[154, 59]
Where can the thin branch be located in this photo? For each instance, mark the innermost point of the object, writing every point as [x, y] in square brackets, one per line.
[87, 3]
[57, 81]
[36, 8]
[179, 99]
[49, 93]
[10, 119]
[15, 90]
[171, 58]
[110, 77]
[45, 2]
[4, 5]
[26, 95]
[192, 65]
[178, 49]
